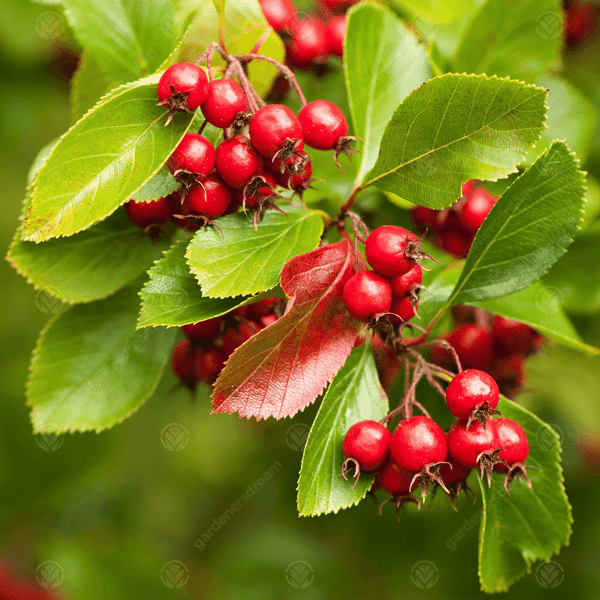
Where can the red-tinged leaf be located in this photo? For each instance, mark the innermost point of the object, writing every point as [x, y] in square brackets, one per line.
[283, 368]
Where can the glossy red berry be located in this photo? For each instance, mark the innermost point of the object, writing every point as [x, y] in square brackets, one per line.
[514, 337]
[453, 472]
[366, 294]
[234, 338]
[403, 309]
[155, 212]
[207, 364]
[386, 250]
[209, 200]
[457, 243]
[509, 372]
[308, 44]
[280, 14]
[580, 23]
[271, 126]
[336, 5]
[194, 154]
[263, 308]
[394, 480]
[183, 87]
[416, 442]
[476, 209]
[336, 31]
[466, 445]
[203, 330]
[425, 217]
[323, 124]
[224, 100]
[182, 360]
[267, 188]
[367, 442]
[513, 441]
[469, 390]
[237, 161]
[469, 186]
[474, 346]
[404, 284]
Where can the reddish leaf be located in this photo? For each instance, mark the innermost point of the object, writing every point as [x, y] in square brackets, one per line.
[283, 368]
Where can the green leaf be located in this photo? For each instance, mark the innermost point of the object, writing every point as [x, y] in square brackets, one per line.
[161, 185]
[102, 160]
[383, 63]
[454, 128]
[529, 525]
[354, 394]
[172, 296]
[90, 265]
[527, 230]
[519, 40]
[243, 261]
[436, 11]
[91, 369]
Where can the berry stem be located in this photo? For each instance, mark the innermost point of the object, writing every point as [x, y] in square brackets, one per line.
[261, 41]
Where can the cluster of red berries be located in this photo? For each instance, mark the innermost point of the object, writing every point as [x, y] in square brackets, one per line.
[453, 229]
[581, 21]
[200, 357]
[491, 343]
[393, 286]
[420, 453]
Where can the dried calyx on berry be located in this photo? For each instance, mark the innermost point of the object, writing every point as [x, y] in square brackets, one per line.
[454, 475]
[192, 160]
[399, 484]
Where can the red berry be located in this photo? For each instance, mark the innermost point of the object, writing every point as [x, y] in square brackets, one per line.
[155, 212]
[403, 284]
[367, 442]
[416, 442]
[234, 338]
[455, 242]
[203, 330]
[308, 44]
[323, 124]
[367, 294]
[473, 345]
[336, 31]
[210, 199]
[513, 336]
[183, 79]
[268, 320]
[207, 364]
[289, 178]
[465, 445]
[182, 359]
[403, 308]
[453, 472]
[268, 185]
[509, 372]
[469, 390]
[237, 161]
[469, 186]
[336, 5]
[386, 250]
[263, 308]
[271, 126]
[280, 14]
[194, 154]
[580, 23]
[463, 314]
[393, 480]
[225, 99]
[476, 209]
[425, 217]
[513, 441]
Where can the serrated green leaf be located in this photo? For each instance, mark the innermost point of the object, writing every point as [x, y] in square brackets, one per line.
[383, 63]
[102, 160]
[161, 185]
[243, 261]
[172, 296]
[529, 525]
[519, 40]
[91, 264]
[354, 394]
[454, 128]
[527, 230]
[436, 11]
[91, 369]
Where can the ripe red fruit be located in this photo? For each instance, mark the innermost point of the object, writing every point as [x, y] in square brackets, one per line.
[207, 364]
[476, 209]
[323, 124]
[469, 186]
[265, 184]
[513, 441]
[308, 44]
[182, 87]
[453, 472]
[509, 372]
[194, 154]
[403, 284]
[455, 242]
[426, 217]
[465, 445]
[469, 390]
[336, 31]
[367, 443]
[474, 346]
[155, 212]
[280, 14]
[203, 330]
[513, 336]
[386, 250]
[263, 308]
[234, 338]
[271, 126]
[580, 23]
[237, 161]
[403, 308]
[182, 360]
[366, 294]
[209, 200]
[336, 5]
[416, 442]
[224, 100]
[393, 480]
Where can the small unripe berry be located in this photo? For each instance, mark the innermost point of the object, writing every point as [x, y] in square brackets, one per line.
[416, 442]
[367, 442]
[323, 124]
[366, 294]
[224, 100]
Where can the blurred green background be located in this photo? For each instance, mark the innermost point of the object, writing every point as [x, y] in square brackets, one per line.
[111, 511]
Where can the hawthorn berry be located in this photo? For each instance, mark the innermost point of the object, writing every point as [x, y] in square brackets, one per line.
[366, 445]
[406, 283]
[207, 364]
[474, 346]
[514, 337]
[366, 294]
[394, 480]
[237, 161]
[472, 394]
[417, 442]
[476, 209]
[280, 14]
[182, 360]
[392, 250]
[144, 214]
[454, 476]
[425, 217]
[182, 87]
[509, 372]
[259, 188]
[402, 309]
[209, 199]
[336, 5]
[203, 330]
[323, 124]
[513, 441]
[263, 308]
[336, 31]
[308, 44]
[193, 159]
[580, 22]
[235, 337]
[275, 129]
[455, 242]
[224, 101]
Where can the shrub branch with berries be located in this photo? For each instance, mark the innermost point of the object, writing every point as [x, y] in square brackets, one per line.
[185, 220]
